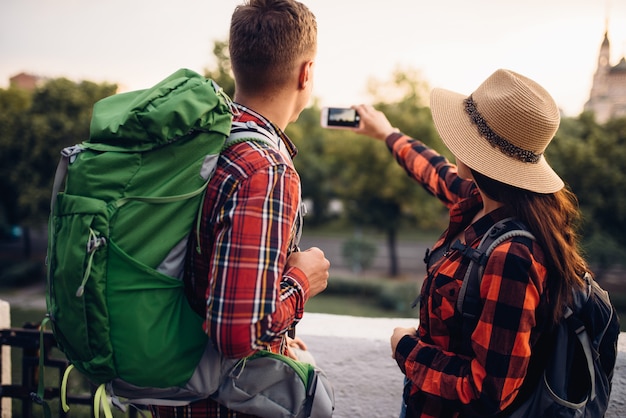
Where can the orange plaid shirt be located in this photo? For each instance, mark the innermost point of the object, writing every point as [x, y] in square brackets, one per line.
[443, 383]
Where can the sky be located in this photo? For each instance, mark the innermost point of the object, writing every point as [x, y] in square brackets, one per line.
[453, 44]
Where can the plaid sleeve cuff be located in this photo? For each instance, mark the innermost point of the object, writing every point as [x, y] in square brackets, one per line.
[296, 277]
[403, 349]
[392, 138]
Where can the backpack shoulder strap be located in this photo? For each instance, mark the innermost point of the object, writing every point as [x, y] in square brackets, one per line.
[252, 131]
[245, 131]
[67, 156]
[469, 303]
[577, 327]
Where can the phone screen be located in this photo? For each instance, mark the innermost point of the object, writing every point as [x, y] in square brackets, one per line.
[342, 117]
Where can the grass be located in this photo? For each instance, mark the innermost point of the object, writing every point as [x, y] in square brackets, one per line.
[368, 297]
[353, 306]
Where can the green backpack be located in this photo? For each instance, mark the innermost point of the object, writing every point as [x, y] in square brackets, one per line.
[118, 232]
[118, 235]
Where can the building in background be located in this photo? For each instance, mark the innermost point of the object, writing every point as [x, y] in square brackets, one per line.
[25, 81]
[607, 98]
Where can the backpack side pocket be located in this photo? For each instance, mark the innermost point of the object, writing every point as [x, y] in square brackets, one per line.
[77, 279]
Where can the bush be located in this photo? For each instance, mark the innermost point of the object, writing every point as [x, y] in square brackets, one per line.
[359, 253]
[392, 296]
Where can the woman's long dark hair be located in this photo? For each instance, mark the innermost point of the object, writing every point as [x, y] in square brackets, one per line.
[553, 219]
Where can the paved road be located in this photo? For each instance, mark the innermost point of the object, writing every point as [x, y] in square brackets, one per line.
[410, 256]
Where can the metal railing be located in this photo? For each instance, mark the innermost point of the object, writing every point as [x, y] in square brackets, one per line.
[28, 340]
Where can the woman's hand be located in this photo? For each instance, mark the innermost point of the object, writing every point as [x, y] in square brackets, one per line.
[296, 349]
[374, 123]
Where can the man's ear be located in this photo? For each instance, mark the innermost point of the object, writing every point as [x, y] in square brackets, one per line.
[306, 74]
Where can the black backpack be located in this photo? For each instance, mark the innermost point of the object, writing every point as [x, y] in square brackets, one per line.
[571, 371]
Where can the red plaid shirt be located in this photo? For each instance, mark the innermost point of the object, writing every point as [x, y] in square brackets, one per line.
[443, 383]
[239, 277]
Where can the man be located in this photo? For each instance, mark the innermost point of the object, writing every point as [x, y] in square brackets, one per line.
[247, 275]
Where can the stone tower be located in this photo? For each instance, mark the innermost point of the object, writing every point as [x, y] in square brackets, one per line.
[607, 98]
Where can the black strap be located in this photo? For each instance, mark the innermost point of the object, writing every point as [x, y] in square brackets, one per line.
[469, 303]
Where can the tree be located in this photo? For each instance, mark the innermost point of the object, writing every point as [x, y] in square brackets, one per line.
[375, 190]
[591, 159]
[56, 116]
[222, 73]
[316, 173]
[13, 103]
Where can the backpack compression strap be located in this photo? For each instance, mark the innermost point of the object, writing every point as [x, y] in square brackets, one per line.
[469, 303]
[577, 327]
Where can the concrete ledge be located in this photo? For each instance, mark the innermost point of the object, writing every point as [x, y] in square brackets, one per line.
[356, 355]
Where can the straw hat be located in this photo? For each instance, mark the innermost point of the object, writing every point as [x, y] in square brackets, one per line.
[501, 130]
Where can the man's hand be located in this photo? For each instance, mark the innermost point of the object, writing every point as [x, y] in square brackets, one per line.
[314, 265]
[398, 334]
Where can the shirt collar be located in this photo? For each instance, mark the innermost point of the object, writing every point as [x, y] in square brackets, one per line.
[245, 114]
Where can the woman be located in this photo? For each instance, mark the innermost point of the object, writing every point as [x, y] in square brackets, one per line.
[498, 136]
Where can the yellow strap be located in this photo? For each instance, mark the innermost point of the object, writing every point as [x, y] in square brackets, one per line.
[64, 388]
[100, 399]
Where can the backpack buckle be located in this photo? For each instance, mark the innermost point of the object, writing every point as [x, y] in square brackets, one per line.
[468, 251]
[94, 243]
[71, 152]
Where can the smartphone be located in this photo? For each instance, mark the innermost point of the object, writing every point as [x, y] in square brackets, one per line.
[340, 117]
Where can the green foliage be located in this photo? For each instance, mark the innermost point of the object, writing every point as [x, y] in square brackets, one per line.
[222, 73]
[313, 165]
[604, 252]
[369, 297]
[54, 116]
[333, 164]
[13, 103]
[591, 159]
[376, 190]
